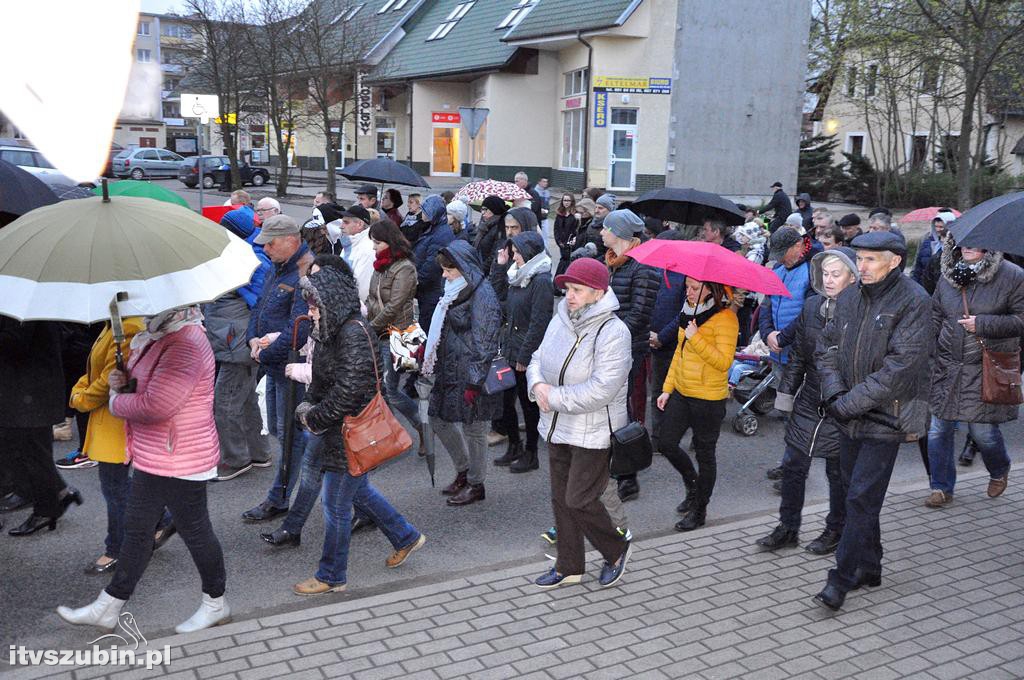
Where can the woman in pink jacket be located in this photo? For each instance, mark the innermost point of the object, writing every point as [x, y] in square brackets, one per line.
[172, 444]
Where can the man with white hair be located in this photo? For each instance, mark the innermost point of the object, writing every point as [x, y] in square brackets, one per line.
[536, 202]
[266, 208]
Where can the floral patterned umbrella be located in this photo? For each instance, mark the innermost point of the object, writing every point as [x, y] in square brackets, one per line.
[474, 193]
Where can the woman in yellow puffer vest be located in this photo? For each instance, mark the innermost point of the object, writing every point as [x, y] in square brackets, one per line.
[695, 392]
[105, 436]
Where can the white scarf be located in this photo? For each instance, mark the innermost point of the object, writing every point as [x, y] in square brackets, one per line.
[451, 291]
[521, 276]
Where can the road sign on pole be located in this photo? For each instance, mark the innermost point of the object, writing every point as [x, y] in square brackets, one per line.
[474, 119]
[204, 107]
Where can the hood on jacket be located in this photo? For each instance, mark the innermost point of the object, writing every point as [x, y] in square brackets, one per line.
[435, 212]
[241, 222]
[467, 259]
[529, 243]
[335, 293]
[848, 257]
[597, 313]
[806, 198]
[951, 256]
[525, 217]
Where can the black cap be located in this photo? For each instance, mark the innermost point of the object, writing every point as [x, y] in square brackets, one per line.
[777, 185]
[359, 212]
[881, 240]
[880, 210]
[782, 240]
[496, 205]
[368, 189]
[849, 220]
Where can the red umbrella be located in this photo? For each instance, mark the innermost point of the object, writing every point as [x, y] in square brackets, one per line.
[709, 262]
[925, 214]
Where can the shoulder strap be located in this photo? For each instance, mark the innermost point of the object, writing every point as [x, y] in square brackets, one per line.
[373, 351]
[607, 411]
[963, 296]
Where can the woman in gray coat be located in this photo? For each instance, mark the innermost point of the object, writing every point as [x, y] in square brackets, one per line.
[979, 301]
[578, 378]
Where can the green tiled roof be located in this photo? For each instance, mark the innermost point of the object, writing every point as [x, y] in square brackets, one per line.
[554, 17]
[473, 45]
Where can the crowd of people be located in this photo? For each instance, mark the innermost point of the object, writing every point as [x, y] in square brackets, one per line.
[423, 305]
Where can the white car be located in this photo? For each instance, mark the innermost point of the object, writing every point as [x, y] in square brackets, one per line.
[33, 161]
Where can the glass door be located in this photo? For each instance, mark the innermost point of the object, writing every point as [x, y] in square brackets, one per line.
[444, 158]
[622, 143]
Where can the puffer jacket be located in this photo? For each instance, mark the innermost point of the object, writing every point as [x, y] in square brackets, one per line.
[105, 436]
[996, 299]
[587, 374]
[242, 223]
[227, 321]
[468, 344]
[528, 307]
[435, 236]
[700, 365]
[169, 417]
[280, 304]
[873, 356]
[344, 380]
[636, 287]
[392, 292]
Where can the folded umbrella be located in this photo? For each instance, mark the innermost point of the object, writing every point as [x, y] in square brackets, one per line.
[68, 192]
[996, 224]
[383, 171]
[131, 187]
[925, 214]
[687, 206]
[20, 192]
[474, 193]
[709, 262]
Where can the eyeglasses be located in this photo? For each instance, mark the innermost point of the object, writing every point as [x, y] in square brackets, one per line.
[263, 210]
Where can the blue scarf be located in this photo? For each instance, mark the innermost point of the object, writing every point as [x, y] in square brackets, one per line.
[451, 291]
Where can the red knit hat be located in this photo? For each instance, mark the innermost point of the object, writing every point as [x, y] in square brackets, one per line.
[585, 271]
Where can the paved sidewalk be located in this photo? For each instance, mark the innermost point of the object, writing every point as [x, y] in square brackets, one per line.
[701, 605]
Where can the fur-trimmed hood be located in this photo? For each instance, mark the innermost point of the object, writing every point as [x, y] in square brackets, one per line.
[951, 256]
[335, 293]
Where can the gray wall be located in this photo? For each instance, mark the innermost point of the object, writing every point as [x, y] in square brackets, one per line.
[738, 94]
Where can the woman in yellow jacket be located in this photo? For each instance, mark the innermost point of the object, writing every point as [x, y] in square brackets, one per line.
[695, 392]
[105, 437]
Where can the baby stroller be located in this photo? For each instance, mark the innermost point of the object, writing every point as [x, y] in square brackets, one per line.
[754, 389]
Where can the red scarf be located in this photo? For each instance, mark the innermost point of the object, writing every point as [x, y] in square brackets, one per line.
[383, 259]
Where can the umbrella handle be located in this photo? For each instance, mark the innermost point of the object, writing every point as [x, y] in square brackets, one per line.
[295, 329]
[132, 383]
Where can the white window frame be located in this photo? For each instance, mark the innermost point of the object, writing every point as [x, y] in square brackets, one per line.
[938, 80]
[848, 143]
[141, 51]
[908, 149]
[459, 11]
[566, 157]
[144, 28]
[584, 77]
[392, 4]
[517, 14]
[868, 81]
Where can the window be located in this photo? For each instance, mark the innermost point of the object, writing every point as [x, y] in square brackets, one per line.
[851, 81]
[855, 145]
[172, 84]
[576, 82]
[149, 155]
[623, 117]
[946, 160]
[176, 30]
[930, 77]
[143, 28]
[513, 18]
[871, 85]
[392, 4]
[453, 18]
[171, 109]
[573, 124]
[918, 151]
[166, 155]
[143, 56]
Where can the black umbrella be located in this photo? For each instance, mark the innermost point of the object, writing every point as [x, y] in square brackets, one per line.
[996, 224]
[20, 192]
[67, 192]
[687, 206]
[382, 171]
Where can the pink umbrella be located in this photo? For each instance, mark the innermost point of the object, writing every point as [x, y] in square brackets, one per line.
[709, 262]
[925, 214]
[474, 193]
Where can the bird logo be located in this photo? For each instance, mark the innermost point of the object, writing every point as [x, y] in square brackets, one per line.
[125, 622]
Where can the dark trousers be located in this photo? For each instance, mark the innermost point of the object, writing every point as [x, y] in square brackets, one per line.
[795, 466]
[578, 477]
[116, 486]
[866, 466]
[661, 360]
[187, 502]
[705, 418]
[28, 454]
[510, 418]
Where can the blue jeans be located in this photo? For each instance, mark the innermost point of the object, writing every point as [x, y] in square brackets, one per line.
[277, 386]
[395, 397]
[115, 485]
[942, 460]
[340, 492]
[309, 485]
[795, 466]
[866, 466]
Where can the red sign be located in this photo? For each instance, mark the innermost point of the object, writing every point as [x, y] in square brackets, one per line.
[445, 117]
[574, 103]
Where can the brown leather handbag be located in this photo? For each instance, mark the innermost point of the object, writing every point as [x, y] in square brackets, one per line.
[374, 436]
[1000, 372]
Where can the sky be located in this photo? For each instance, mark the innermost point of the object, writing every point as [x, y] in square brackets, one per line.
[161, 6]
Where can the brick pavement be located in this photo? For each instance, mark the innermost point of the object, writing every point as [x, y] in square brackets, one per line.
[701, 605]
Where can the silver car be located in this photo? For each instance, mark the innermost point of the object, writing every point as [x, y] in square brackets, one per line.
[141, 163]
[33, 161]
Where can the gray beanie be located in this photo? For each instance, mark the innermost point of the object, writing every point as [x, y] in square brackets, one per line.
[623, 223]
[607, 200]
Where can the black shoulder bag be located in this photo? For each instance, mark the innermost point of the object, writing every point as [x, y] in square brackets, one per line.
[631, 444]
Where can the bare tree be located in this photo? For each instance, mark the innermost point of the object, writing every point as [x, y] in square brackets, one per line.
[832, 22]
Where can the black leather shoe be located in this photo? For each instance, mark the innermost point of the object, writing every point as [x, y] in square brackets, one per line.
[33, 524]
[12, 502]
[72, 495]
[362, 524]
[281, 537]
[628, 490]
[830, 597]
[691, 520]
[864, 578]
[824, 544]
[511, 455]
[97, 568]
[526, 463]
[468, 495]
[781, 537]
[263, 512]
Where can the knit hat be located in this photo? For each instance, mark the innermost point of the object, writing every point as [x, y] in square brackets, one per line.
[782, 240]
[849, 220]
[881, 240]
[585, 271]
[587, 204]
[623, 223]
[495, 205]
[607, 200]
[459, 209]
[795, 220]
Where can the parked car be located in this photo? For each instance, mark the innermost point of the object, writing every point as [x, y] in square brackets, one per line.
[115, 150]
[141, 163]
[31, 160]
[188, 172]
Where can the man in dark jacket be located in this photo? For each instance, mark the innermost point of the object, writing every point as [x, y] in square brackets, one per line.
[850, 224]
[490, 233]
[873, 361]
[781, 204]
[929, 252]
[803, 206]
[716, 231]
[270, 338]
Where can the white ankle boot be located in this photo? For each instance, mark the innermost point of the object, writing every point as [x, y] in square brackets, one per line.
[213, 611]
[103, 612]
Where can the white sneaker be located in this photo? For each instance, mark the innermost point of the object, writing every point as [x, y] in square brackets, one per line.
[213, 611]
[103, 612]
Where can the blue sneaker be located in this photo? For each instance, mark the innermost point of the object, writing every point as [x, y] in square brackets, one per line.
[550, 536]
[76, 460]
[610, 575]
[553, 579]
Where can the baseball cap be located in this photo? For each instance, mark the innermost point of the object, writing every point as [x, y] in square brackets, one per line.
[273, 227]
[359, 212]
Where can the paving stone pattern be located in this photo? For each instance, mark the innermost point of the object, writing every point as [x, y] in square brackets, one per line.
[701, 605]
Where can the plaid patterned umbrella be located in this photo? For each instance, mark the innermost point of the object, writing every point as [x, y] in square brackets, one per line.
[474, 193]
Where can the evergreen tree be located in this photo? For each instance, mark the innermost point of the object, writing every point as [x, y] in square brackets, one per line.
[816, 173]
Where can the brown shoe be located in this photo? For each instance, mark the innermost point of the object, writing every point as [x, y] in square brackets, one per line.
[469, 494]
[312, 586]
[939, 499]
[996, 487]
[399, 557]
[460, 483]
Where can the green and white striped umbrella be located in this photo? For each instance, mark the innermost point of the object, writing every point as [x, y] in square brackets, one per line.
[65, 262]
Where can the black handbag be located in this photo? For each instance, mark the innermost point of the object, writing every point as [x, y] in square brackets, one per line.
[500, 376]
[631, 448]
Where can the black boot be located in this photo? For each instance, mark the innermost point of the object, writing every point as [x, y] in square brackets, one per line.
[687, 504]
[692, 519]
[781, 537]
[527, 462]
[830, 597]
[824, 544]
[512, 454]
[628, 489]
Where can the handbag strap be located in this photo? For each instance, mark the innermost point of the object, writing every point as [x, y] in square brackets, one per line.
[607, 411]
[373, 351]
[963, 296]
